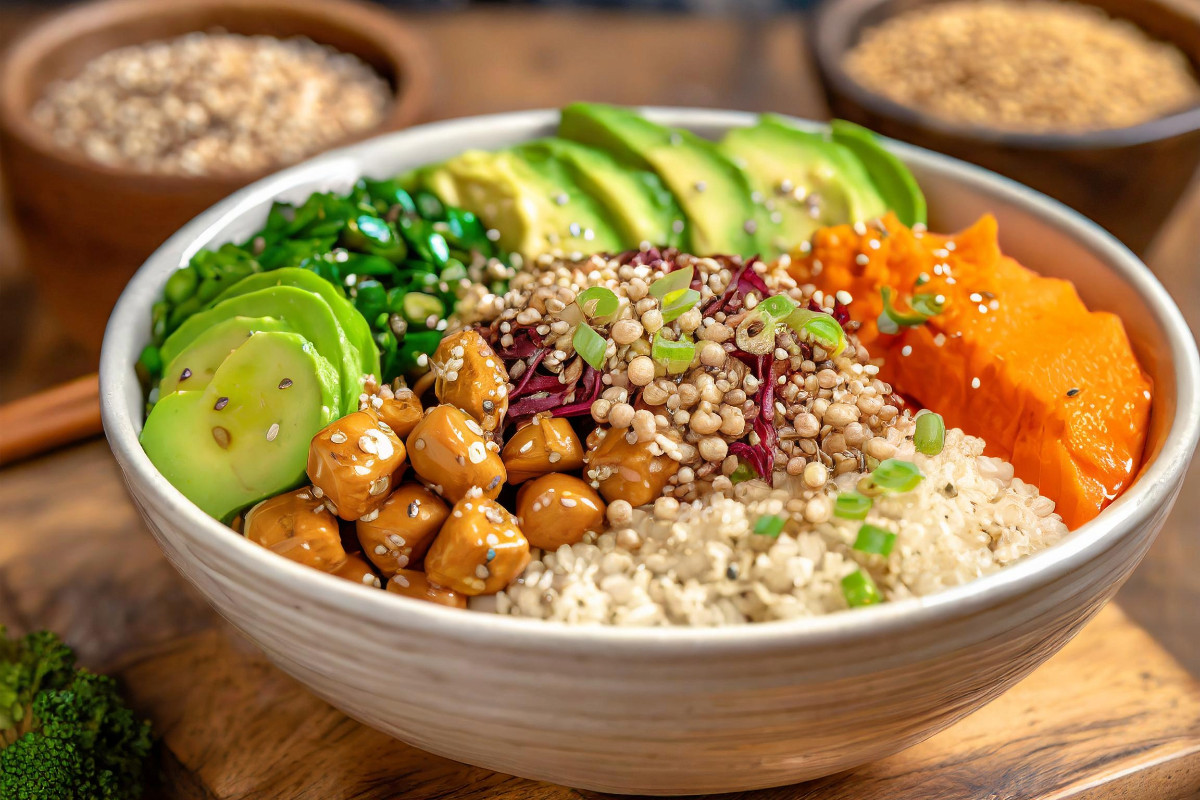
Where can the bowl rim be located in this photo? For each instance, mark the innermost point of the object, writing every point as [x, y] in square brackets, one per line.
[834, 22]
[406, 53]
[127, 332]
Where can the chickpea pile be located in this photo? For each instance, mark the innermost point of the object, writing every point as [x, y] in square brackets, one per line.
[404, 497]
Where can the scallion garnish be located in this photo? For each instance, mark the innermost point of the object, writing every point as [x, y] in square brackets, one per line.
[676, 356]
[873, 539]
[591, 345]
[770, 525]
[670, 283]
[599, 304]
[777, 306]
[756, 333]
[897, 476]
[676, 303]
[820, 328]
[930, 435]
[921, 308]
[860, 590]
[743, 472]
[852, 505]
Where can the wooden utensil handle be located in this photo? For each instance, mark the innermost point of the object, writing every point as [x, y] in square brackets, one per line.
[53, 418]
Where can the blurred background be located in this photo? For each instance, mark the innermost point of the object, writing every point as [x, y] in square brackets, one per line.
[72, 230]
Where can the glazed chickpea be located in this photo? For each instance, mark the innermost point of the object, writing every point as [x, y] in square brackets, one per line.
[352, 462]
[411, 583]
[628, 471]
[357, 569]
[547, 444]
[480, 550]
[470, 376]
[558, 509]
[447, 449]
[399, 532]
[297, 525]
[401, 413]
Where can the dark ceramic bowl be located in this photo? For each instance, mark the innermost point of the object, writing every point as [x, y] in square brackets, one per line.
[84, 226]
[1126, 179]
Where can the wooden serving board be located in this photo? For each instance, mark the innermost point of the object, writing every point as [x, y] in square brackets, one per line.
[1112, 716]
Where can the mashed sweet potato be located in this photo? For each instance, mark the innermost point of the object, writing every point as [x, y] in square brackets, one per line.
[1014, 357]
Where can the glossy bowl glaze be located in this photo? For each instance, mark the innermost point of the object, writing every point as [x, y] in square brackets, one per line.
[671, 711]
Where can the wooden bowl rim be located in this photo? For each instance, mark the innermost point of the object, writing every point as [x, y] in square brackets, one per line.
[406, 54]
[835, 21]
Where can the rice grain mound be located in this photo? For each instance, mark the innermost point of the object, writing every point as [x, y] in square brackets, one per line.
[967, 518]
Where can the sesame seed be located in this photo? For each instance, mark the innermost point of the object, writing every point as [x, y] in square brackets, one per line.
[906, 350]
[975, 383]
[493, 235]
[750, 226]
[338, 437]
[701, 186]
[221, 437]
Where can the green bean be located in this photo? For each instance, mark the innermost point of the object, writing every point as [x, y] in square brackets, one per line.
[375, 236]
[181, 284]
[429, 206]
[370, 298]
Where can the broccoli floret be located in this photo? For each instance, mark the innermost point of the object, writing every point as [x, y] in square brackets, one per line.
[66, 734]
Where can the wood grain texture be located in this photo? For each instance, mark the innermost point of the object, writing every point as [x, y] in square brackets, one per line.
[52, 418]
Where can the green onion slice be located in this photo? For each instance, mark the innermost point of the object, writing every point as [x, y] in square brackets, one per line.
[819, 327]
[599, 304]
[676, 356]
[777, 306]
[930, 436]
[860, 590]
[921, 308]
[744, 472]
[852, 505]
[676, 303]
[770, 525]
[896, 476]
[671, 282]
[873, 539]
[591, 345]
[756, 332]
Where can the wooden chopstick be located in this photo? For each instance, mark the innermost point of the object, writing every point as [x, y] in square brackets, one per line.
[50, 419]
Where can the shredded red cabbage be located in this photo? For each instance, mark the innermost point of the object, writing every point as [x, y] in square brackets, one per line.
[762, 455]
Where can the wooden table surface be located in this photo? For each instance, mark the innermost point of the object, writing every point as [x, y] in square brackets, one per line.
[491, 60]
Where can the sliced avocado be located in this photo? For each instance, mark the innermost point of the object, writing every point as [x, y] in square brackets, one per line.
[193, 369]
[534, 203]
[715, 195]
[642, 209]
[806, 181]
[352, 322]
[896, 184]
[305, 312]
[246, 435]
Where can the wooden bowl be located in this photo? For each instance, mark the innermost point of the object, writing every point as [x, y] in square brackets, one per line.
[675, 710]
[1127, 179]
[85, 226]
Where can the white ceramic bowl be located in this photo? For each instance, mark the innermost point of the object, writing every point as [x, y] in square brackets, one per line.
[677, 710]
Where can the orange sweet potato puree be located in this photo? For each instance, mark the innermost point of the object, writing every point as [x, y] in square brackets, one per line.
[1004, 359]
